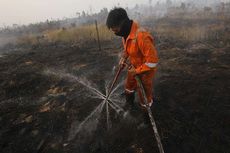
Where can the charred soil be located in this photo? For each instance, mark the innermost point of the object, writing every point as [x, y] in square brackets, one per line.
[42, 104]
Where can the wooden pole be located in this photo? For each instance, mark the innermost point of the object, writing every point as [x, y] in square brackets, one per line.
[98, 38]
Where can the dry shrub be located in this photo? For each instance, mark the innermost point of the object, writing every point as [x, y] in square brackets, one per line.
[27, 39]
[191, 33]
[75, 34]
[192, 27]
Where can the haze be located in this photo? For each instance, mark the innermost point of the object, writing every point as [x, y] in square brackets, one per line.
[30, 11]
[22, 12]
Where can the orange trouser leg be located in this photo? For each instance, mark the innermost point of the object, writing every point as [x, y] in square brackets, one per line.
[147, 81]
[130, 83]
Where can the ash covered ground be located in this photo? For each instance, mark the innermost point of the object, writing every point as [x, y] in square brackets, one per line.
[46, 100]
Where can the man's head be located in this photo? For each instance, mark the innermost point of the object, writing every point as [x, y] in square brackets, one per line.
[116, 20]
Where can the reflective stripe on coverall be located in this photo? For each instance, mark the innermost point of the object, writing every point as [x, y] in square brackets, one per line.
[139, 47]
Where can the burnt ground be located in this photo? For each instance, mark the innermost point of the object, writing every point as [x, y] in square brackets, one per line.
[42, 107]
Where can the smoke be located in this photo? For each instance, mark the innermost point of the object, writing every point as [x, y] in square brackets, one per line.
[4, 40]
[149, 11]
[163, 8]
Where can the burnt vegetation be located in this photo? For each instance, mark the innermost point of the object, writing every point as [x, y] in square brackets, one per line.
[41, 107]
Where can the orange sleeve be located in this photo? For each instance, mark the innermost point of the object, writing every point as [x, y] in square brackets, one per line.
[148, 50]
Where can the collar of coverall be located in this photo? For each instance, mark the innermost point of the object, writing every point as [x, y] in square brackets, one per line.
[132, 34]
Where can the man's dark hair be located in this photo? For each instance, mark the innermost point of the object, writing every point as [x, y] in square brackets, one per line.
[115, 17]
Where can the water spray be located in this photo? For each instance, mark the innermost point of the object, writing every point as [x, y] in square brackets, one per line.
[106, 98]
[109, 92]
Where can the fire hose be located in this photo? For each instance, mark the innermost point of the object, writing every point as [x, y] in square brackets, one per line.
[140, 85]
[114, 82]
[157, 136]
[110, 90]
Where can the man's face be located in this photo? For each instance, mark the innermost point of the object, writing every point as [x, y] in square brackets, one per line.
[115, 29]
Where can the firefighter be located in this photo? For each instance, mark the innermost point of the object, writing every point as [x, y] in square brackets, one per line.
[139, 49]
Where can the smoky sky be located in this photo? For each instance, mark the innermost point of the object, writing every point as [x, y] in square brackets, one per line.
[31, 11]
[27, 11]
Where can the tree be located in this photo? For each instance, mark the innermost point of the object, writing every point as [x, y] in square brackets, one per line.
[150, 2]
[182, 6]
[83, 14]
[169, 3]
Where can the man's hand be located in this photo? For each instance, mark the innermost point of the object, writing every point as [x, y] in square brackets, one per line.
[122, 63]
[132, 70]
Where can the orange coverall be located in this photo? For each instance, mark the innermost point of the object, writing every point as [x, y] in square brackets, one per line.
[139, 48]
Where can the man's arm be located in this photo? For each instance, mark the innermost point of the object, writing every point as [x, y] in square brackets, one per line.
[146, 46]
